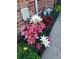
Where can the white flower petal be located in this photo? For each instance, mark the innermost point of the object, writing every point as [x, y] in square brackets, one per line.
[45, 41]
[35, 19]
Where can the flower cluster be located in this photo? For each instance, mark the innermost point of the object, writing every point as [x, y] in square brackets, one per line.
[47, 19]
[31, 31]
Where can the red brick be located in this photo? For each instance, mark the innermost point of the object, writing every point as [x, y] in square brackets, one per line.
[31, 5]
[20, 1]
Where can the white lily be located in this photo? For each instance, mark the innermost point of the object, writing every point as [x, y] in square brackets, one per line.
[35, 19]
[45, 41]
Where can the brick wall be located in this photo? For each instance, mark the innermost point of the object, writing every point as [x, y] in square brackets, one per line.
[31, 5]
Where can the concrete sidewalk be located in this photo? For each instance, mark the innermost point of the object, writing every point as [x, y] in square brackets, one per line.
[54, 50]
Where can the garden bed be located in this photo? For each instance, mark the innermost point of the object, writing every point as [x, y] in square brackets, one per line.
[34, 36]
[33, 40]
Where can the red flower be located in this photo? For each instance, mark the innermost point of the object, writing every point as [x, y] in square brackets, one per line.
[31, 31]
[38, 46]
[31, 40]
[47, 19]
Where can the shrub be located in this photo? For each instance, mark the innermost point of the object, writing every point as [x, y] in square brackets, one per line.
[56, 11]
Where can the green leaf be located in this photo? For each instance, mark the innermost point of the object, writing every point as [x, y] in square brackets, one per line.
[26, 54]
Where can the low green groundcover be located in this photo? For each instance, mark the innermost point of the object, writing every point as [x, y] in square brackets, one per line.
[26, 52]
